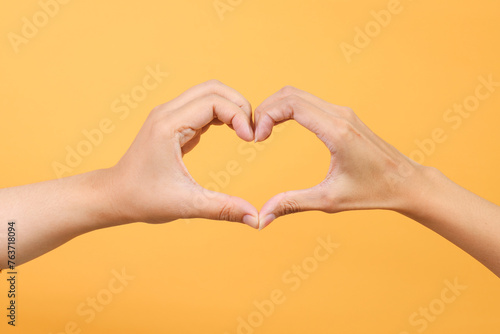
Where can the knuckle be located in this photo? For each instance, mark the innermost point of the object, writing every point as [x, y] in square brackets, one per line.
[162, 109]
[288, 90]
[293, 100]
[162, 127]
[349, 114]
[247, 106]
[214, 83]
[227, 212]
[288, 205]
[158, 110]
[347, 111]
[211, 98]
[344, 129]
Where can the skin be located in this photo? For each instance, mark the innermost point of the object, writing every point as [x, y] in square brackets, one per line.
[367, 173]
[151, 184]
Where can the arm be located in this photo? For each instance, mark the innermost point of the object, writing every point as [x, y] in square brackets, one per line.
[368, 173]
[149, 184]
[469, 221]
[56, 210]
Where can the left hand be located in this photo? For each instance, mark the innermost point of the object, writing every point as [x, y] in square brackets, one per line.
[151, 183]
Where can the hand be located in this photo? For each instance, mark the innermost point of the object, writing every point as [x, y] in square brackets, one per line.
[365, 172]
[151, 183]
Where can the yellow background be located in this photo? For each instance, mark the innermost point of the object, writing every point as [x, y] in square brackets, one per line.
[199, 276]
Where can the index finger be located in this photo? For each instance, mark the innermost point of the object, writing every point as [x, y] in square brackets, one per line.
[202, 111]
[208, 88]
[292, 107]
[289, 91]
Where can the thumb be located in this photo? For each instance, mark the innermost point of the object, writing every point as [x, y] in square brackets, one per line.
[218, 206]
[291, 202]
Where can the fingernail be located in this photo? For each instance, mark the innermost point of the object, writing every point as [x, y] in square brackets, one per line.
[256, 137]
[266, 221]
[250, 130]
[250, 221]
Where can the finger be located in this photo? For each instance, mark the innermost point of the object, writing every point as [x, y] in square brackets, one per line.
[213, 205]
[186, 148]
[208, 88]
[335, 110]
[288, 91]
[291, 107]
[292, 201]
[204, 110]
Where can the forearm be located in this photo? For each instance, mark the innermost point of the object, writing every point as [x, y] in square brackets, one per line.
[48, 214]
[469, 221]
[149, 184]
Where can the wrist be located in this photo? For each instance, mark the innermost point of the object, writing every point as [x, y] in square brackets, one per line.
[419, 190]
[106, 208]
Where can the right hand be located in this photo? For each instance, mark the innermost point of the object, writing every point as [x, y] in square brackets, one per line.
[365, 172]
